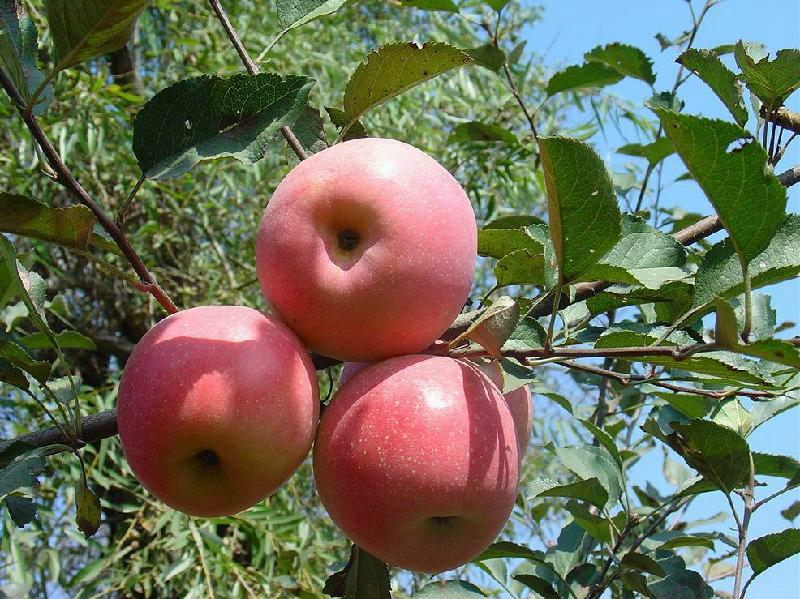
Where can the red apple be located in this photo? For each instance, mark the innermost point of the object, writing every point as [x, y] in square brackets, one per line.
[367, 250]
[217, 407]
[519, 403]
[416, 461]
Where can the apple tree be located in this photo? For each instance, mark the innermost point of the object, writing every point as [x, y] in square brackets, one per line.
[141, 142]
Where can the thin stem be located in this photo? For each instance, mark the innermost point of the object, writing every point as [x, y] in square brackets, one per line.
[252, 68]
[123, 209]
[67, 180]
[742, 526]
[748, 303]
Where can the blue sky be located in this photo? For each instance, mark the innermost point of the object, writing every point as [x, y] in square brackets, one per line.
[570, 28]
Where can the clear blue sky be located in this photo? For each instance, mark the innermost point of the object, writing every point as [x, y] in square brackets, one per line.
[571, 27]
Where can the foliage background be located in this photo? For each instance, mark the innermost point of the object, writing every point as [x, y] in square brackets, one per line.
[198, 230]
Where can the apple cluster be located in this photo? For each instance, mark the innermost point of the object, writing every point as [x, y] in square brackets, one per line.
[365, 254]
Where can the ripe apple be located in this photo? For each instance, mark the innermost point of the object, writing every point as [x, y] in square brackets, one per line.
[416, 461]
[519, 403]
[217, 407]
[367, 250]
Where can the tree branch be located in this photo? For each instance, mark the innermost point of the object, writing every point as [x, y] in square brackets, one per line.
[782, 117]
[790, 176]
[67, 180]
[252, 68]
[93, 428]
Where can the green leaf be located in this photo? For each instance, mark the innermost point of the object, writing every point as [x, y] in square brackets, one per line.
[506, 549]
[70, 227]
[569, 547]
[310, 130]
[488, 55]
[20, 474]
[84, 29]
[540, 585]
[339, 118]
[773, 350]
[443, 5]
[515, 375]
[642, 256]
[21, 509]
[16, 355]
[588, 75]
[492, 327]
[12, 375]
[722, 364]
[496, 5]
[65, 340]
[589, 490]
[722, 81]
[476, 131]
[296, 13]
[720, 454]
[720, 273]
[654, 152]
[393, 69]
[679, 582]
[449, 589]
[363, 576]
[522, 267]
[19, 46]
[642, 563]
[791, 512]
[529, 334]
[88, 511]
[688, 541]
[771, 80]
[726, 331]
[780, 466]
[592, 462]
[731, 176]
[604, 438]
[732, 414]
[584, 217]
[766, 551]
[763, 411]
[208, 117]
[498, 243]
[598, 528]
[627, 60]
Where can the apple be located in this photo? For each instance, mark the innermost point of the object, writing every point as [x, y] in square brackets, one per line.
[367, 250]
[416, 461]
[217, 407]
[519, 403]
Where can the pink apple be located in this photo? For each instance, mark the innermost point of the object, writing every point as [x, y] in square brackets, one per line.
[416, 461]
[217, 407]
[367, 250]
[519, 403]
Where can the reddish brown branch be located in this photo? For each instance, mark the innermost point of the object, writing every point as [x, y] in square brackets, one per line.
[252, 68]
[67, 180]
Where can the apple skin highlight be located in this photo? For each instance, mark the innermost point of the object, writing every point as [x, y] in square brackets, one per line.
[416, 461]
[217, 407]
[367, 250]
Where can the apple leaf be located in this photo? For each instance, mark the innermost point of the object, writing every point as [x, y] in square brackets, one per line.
[339, 118]
[720, 273]
[12, 375]
[588, 75]
[70, 227]
[642, 256]
[393, 69]
[296, 13]
[592, 462]
[84, 29]
[528, 334]
[88, 510]
[791, 512]
[210, 117]
[717, 452]
[488, 56]
[362, 576]
[642, 563]
[522, 267]
[731, 168]
[21, 509]
[589, 490]
[65, 340]
[653, 152]
[771, 80]
[493, 327]
[597, 527]
[477, 132]
[584, 217]
[687, 541]
[449, 589]
[16, 355]
[498, 243]
[766, 551]
[679, 581]
[310, 130]
[443, 5]
[722, 81]
[627, 60]
[726, 328]
[19, 46]
[540, 585]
